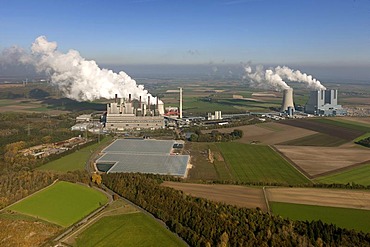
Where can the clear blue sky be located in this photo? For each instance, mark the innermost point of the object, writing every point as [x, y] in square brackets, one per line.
[311, 32]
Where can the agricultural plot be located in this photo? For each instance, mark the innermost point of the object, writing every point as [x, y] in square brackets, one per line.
[135, 229]
[253, 163]
[345, 132]
[317, 161]
[269, 133]
[356, 199]
[63, 203]
[241, 196]
[358, 175]
[319, 139]
[342, 217]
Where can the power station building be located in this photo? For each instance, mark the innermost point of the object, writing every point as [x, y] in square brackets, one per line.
[134, 114]
[324, 103]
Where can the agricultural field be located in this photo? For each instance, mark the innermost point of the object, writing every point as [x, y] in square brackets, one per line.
[358, 175]
[76, 160]
[342, 217]
[317, 161]
[347, 132]
[268, 133]
[253, 163]
[319, 139]
[357, 199]
[133, 229]
[62, 203]
[242, 196]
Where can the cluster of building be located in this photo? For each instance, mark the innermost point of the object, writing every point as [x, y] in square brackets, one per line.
[320, 103]
[44, 150]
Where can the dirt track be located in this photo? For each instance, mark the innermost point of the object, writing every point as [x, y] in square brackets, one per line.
[231, 194]
[323, 197]
[318, 160]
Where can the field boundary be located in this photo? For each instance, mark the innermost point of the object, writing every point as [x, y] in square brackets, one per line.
[292, 163]
[266, 199]
[342, 169]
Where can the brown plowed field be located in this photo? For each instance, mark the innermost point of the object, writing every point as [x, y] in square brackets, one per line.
[230, 194]
[318, 160]
[268, 133]
[322, 197]
[332, 130]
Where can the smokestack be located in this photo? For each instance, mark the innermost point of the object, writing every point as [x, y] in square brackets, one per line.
[287, 99]
[115, 98]
[148, 101]
[140, 101]
[129, 98]
[180, 108]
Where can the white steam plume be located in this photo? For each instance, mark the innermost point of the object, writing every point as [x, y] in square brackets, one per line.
[78, 78]
[296, 75]
[265, 79]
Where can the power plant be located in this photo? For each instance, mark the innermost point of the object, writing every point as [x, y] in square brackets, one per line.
[134, 114]
[324, 103]
[287, 100]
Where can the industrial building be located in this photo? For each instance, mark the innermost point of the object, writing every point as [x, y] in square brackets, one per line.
[144, 156]
[324, 103]
[134, 114]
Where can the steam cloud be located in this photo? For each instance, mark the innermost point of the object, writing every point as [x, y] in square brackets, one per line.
[77, 77]
[274, 78]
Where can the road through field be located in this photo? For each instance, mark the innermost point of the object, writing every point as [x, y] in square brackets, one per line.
[230, 194]
[357, 199]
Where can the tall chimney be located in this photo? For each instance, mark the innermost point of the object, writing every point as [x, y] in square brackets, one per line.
[148, 101]
[140, 101]
[180, 103]
[115, 98]
[129, 98]
[287, 99]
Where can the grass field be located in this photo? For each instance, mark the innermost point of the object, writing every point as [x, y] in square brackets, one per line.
[254, 163]
[135, 229]
[358, 175]
[62, 203]
[74, 161]
[318, 139]
[343, 217]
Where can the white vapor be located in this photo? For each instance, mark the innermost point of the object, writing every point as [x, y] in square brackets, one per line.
[265, 79]
[296, 75]
[78, 78]
[275, 78]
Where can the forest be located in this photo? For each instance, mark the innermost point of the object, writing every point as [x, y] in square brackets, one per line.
[216, 136]
[201, 222]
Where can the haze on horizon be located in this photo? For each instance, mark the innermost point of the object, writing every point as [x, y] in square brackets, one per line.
[329, 39]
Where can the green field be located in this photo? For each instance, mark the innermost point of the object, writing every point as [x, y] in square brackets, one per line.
[254, 163]
[63, 203]
[74, 161]
[358, 175]
[342, 217]
[364, 136]
[318, 139]
[135, 229]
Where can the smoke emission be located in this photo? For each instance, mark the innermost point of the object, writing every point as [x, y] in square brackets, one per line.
[275, 78]
[76, 77]
[266, 79]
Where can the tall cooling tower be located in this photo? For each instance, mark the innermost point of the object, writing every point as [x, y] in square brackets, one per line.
[287, 99]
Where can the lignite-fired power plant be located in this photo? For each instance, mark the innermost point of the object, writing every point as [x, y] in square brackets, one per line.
[134, 114]
[321, 102]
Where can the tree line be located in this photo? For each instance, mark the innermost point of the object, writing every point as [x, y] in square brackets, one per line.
[215, 136]
[364, 142]
[201, 222]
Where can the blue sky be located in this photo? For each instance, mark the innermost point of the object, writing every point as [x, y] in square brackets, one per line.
[305, 32]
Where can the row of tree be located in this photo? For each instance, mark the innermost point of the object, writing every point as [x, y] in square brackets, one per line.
[216, 136]
[364, 142]
[201, 222]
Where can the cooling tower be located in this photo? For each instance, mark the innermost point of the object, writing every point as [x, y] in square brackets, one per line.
[287, 99]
